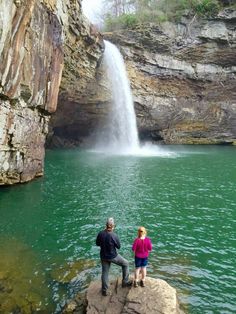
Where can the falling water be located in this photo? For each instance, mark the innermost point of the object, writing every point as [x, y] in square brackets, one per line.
[120, 135]
[122, 128]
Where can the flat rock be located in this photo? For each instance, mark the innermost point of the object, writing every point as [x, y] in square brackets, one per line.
[156, 297]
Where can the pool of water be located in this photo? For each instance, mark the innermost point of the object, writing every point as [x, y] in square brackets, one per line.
[185, 197]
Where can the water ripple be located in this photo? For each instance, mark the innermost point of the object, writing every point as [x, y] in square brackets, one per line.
[187, 204]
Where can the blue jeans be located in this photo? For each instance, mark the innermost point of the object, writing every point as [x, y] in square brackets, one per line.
[118, 260]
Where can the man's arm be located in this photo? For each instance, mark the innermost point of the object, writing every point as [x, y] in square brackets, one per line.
[116, 241]
[98, 240]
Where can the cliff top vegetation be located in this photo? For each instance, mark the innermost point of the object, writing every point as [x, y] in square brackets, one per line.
[124, 14]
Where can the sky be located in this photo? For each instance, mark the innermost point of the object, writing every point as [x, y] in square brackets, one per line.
[92, 9]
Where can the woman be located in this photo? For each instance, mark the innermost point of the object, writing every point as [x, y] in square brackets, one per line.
[142, 246]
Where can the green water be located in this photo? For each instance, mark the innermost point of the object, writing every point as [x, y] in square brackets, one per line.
[186, 200]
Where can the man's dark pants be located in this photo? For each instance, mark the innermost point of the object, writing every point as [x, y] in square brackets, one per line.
[118, 260]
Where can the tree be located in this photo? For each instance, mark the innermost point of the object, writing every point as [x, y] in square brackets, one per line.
[127, 13]
[118, 7]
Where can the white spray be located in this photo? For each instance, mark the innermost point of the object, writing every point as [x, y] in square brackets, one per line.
[121, 136]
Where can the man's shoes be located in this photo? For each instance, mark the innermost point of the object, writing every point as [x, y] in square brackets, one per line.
[135, 284]
[142, 283]
[105, 293]
[127, 284]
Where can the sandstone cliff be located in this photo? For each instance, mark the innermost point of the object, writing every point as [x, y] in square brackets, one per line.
[36, 39]
[183, 78]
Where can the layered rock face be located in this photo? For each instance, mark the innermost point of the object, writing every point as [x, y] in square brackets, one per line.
[83, 52]
[183, 82]
[183, 79]
[36, 39]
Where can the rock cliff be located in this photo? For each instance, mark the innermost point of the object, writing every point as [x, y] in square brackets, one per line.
[183, 78]
[36, 39]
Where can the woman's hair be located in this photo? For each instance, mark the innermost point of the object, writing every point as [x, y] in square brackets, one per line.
[141, 232]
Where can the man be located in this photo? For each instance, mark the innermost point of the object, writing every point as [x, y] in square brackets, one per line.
[109, 242]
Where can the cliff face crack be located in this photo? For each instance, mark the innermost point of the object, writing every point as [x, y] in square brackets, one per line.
[10, 144]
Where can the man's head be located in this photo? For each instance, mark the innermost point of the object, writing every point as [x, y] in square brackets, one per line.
[110, 224]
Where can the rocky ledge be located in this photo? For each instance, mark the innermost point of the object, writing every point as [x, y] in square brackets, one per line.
[156, 297]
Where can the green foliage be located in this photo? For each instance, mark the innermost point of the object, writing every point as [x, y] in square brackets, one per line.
[175, 8]
[128, 20]
[162, 10]
[207, 7]
[155, 16]
[121, 22]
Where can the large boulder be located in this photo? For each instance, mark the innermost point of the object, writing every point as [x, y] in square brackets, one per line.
[156, 297]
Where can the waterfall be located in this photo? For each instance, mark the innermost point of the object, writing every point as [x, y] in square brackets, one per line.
[122, 135]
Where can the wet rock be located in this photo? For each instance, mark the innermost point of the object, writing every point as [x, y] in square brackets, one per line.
[77, 305]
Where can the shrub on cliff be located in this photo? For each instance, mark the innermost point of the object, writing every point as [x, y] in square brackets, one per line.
[123, 21]
[207, 7]
[174, 8]
[133, 12]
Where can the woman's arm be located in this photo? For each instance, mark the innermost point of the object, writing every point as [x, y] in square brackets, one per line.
[149, 245]
[134, 246]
